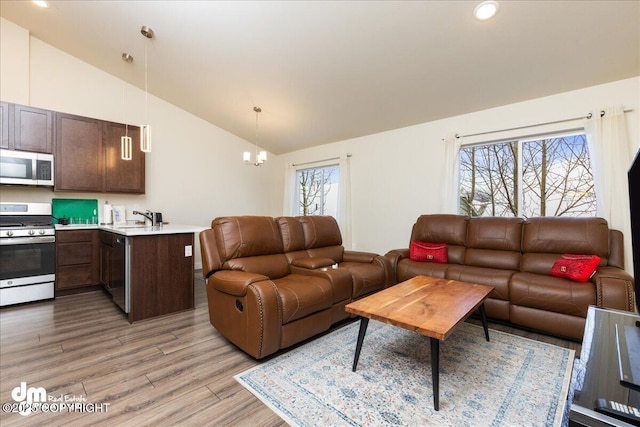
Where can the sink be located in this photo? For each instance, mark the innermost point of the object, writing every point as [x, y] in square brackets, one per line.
[131, 226]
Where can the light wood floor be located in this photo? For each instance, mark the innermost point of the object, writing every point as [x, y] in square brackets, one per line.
[175, 370]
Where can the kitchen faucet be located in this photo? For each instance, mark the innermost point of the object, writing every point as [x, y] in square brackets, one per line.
[149, 215]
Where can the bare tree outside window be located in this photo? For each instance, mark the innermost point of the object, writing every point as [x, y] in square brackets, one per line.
[488, 180]
[554, 173]
[557, 177]
[317, 191]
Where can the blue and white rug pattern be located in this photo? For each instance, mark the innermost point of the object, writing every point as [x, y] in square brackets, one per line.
[509, 381]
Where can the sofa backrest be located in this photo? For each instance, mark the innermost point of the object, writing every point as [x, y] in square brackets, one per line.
[441, 228]
[292, 237]
[544, 239]
[250, 243]
[322, 238]
[494, 242]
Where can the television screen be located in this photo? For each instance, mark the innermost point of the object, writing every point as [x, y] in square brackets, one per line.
[634, 205]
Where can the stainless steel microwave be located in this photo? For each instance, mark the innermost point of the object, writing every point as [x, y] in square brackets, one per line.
[21, 167]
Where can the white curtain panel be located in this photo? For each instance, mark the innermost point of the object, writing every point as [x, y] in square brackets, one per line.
[450, 195]
[611, 157]
[344, 201]
[288, 207]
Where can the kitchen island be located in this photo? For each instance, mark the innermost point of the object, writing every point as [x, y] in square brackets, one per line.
[149, 271]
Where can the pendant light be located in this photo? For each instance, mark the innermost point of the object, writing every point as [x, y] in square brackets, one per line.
[145, 129]
[261, 156]
[126, 145]
[126, 150]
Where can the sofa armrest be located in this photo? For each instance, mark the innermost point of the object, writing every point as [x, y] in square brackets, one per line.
[312, 263]
[393, 257]
[400, 253]
[234, 282]
[616, 249]
[614, 289]
[358, 256]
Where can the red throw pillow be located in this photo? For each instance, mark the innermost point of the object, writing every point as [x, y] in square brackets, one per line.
[576, 267]
[428, 252]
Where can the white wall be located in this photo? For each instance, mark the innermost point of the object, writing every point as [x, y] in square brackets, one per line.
[14, 63]
[396, 176]
[195, 170]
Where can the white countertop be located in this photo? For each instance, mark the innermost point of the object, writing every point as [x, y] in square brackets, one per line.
[135, 230]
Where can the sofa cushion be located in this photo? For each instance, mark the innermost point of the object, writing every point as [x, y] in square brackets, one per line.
[497, 278]
[320, 231]
[548, 293]
[449, 229]
[560, 235]
[244, 236]
[490, 258]
[494, 242]
[406, 269]
[303, 295]
[367, 278]
[292, 233]
[498, 233]
[545, 239]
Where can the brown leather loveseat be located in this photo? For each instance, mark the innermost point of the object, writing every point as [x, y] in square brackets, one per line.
[515, 256]
[273, 282]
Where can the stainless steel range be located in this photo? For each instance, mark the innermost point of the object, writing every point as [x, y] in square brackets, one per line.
[27, 253]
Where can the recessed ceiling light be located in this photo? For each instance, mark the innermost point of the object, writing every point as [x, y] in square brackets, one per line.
[41, 3]
[486, 9]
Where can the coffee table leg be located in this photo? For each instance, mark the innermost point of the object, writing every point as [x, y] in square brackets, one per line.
[483, 315]
[364, 321]
[435, 372]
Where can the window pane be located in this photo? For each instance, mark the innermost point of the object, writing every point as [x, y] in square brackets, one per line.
[488, 180]
[557, 177]
[317, 191]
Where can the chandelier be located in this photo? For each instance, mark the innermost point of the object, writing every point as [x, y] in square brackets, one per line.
[260, 157]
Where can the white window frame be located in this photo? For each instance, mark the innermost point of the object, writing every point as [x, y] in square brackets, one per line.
[306, 166]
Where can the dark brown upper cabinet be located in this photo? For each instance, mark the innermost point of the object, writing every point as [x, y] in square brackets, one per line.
[122, 176]
[79, 156]
[26, 128]
[88, 156]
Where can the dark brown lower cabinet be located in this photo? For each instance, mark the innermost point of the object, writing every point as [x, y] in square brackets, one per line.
[161, 276]
[77, 253]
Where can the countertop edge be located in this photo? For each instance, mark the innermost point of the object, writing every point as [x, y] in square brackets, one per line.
[135, 230]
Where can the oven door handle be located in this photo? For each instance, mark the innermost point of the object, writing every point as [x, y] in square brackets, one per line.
[27, 240]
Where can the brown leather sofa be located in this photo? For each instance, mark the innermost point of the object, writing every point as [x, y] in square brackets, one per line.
[515, 256]
[273, 282]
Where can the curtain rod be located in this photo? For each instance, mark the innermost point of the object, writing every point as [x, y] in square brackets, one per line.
[588, 116]
[318, 161]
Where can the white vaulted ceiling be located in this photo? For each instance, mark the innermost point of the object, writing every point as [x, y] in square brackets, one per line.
[325, 71]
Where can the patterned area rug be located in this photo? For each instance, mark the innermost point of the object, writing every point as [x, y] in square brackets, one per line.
[508, 381]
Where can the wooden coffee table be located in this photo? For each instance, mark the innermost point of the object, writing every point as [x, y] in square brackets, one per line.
[426, 305]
